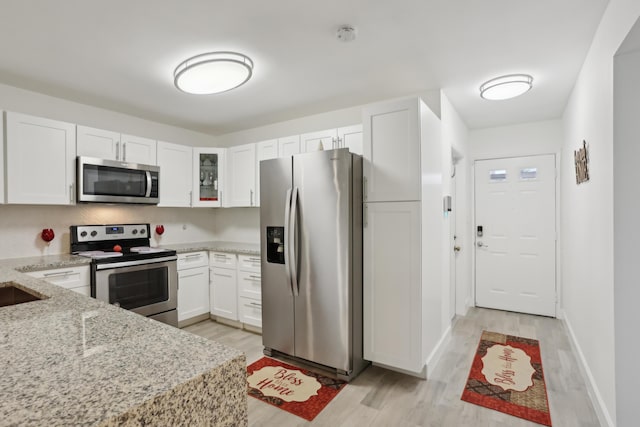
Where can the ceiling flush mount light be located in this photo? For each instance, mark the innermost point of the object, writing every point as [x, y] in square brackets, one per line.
[506, 87]
[213, 72]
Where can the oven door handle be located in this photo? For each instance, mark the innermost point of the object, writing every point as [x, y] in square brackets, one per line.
[112, 265]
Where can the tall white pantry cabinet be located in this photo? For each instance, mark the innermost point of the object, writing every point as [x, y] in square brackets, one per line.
[403, 220]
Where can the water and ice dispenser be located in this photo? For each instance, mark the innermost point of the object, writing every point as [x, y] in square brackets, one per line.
[275, 245]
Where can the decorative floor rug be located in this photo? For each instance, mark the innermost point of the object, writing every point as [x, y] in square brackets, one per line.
[507, 376]
[296, 390]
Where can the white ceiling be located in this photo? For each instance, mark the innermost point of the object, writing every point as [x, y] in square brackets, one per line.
[120, 54]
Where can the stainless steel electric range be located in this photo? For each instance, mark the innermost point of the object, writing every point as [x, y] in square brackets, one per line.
[127, 272]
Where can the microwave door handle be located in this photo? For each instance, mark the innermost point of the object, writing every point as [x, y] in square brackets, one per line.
[287, 261]
[148, 174]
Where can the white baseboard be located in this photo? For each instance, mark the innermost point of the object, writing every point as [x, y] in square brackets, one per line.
[594, 393]
[438, 351]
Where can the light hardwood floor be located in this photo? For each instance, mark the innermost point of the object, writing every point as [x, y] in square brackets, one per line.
[379, 397]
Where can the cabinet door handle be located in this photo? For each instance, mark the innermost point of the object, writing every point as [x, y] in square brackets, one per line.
[71, 193]
[364, 188]
[117, 151]
[124, 152]
[190, 198]
[365, 214]
[250, 197]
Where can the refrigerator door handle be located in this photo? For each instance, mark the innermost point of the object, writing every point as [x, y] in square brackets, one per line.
[287, 260]
[293, 247]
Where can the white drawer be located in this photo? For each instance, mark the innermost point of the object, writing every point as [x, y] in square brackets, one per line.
[193, 260]
[249, 285]
[69, 278]
[251, 312]
[249, 263]
[222, 259]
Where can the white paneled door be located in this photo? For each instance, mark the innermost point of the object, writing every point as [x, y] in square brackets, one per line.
[515, 202]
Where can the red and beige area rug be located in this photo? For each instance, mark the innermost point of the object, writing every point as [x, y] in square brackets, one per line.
[296, 390]
[507, 376]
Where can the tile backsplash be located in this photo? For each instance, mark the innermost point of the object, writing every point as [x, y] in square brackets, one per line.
[21, 225]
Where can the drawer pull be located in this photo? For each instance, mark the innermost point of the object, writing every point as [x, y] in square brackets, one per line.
[254, 259]
[223, 275]
[193, 256]
[253, 305]
[255, 277]
[220, 256]
[58, 273]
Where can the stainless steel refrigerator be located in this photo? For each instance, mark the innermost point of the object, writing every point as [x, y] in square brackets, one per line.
[311, 246]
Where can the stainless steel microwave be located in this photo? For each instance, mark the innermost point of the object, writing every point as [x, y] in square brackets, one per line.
[109, 181]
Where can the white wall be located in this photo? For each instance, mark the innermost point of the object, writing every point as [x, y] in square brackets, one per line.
[37, 104]
[20, 225]
[587, 212]
[316, 122]
[626, 212]
[455, 139]
[524, 139]
[238, 225]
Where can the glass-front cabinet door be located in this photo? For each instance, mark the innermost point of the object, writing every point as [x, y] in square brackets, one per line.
[208, 165]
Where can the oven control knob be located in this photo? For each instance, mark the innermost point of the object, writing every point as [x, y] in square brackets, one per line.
[142, 231]
[94, 233]
[134, 231]
[83, 234]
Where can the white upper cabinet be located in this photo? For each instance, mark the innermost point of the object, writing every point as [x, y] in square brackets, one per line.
[136, 149]
[208, 176]
[321, 140]
[350, 137]
[100, 143]
[265, 150]
[176, 174]
[241, 176]
[392, 151]
[40, 160]
[110, 145]
[289, 146]
[2, 199]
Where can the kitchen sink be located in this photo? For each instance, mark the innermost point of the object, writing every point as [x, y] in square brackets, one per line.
[12, 293]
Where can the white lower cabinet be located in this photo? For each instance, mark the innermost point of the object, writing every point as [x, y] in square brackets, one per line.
[223, 291]
[193, 285]
[235, 288]
[250, 290]
[76, 279]
[392, 293]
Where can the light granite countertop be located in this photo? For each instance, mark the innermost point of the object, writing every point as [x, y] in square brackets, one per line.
[73, 360]
[218, 246]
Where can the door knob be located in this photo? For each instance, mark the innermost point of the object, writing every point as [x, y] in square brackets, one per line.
[456, 248]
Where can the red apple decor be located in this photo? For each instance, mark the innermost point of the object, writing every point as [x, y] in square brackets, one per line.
[47, 234]
[160, 229]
